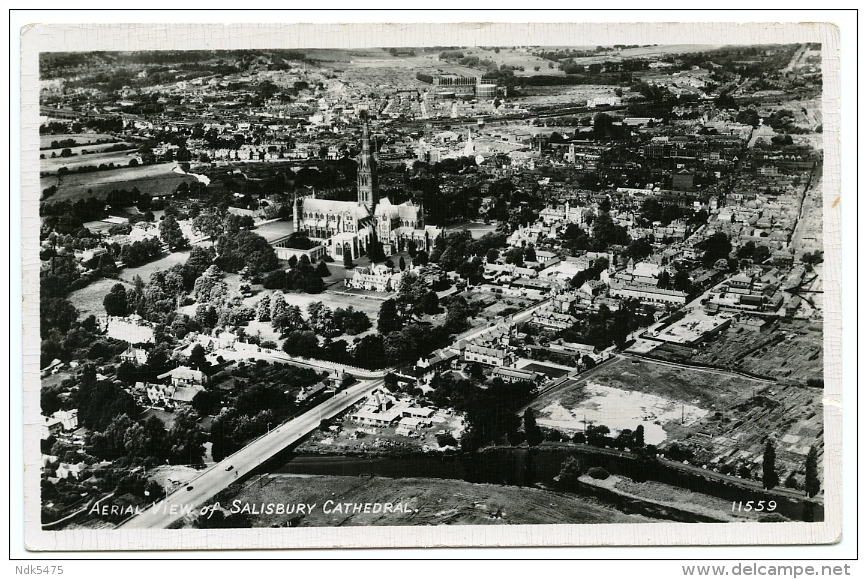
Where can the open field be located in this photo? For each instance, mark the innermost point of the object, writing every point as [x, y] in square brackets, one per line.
[119, 158]
[150, 179]
[162, 264]
[625, 392]
[619, 410]
[553, 95]
[516, 57]
[88, 300]
[129, 331]
[429, 502]
[79, 138]
[704, 387]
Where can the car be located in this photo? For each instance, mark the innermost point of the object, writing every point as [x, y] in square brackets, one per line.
[230, 467]
[189, 488]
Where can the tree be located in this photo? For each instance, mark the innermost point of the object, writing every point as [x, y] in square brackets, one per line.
[421, 258]
[208, 225]
[457, 315]
[717, 246]
[515, 256]
[531, 429]
[107, 266]
[197, 358]
[402, 264]
[301, 343]
[185, 439]
[347, 260]
[569, 473]
[811, 480]
[263, 309]
[430, 303]
[246, 249]
[770, 478]
[389, 320]
[638, 437]
[171, 234]
[115, 302]
[411, 248]
[322, 270]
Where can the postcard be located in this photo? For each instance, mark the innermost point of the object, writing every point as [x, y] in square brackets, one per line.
[408, 285]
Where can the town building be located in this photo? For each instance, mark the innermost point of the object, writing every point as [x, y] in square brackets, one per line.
[488, 355]
[136, 356]
[184, 376]
[377, 278]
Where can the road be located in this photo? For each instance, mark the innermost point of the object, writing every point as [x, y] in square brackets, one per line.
[216, 478]
[807, 235]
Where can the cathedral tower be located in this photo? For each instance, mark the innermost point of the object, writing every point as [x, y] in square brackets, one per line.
[368, 195]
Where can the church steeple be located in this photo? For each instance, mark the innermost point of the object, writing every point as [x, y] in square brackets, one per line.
[368, 195]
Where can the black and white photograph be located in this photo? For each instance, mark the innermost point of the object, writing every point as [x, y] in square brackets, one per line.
[300, 289]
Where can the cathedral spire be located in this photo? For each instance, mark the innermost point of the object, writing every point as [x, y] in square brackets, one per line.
[368, 195]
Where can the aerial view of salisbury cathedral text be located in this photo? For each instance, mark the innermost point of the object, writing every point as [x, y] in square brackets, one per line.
[449, 285]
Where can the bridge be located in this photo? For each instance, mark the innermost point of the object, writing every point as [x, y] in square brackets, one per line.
[218, 477]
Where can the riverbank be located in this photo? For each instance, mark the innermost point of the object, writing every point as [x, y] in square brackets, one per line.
[678, 484]
[408, 502]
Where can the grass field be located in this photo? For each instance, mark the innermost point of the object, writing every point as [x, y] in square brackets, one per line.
[88, 300]
[150, 179]
[119, 158]
[80, 138]
[145, 271]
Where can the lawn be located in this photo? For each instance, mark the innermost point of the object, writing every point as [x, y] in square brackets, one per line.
[164, 263]
[88, 300]
[275, 230]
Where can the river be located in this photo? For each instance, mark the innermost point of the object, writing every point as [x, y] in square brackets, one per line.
[515, 467]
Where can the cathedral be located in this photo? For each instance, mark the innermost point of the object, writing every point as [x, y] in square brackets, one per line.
[351, 226]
